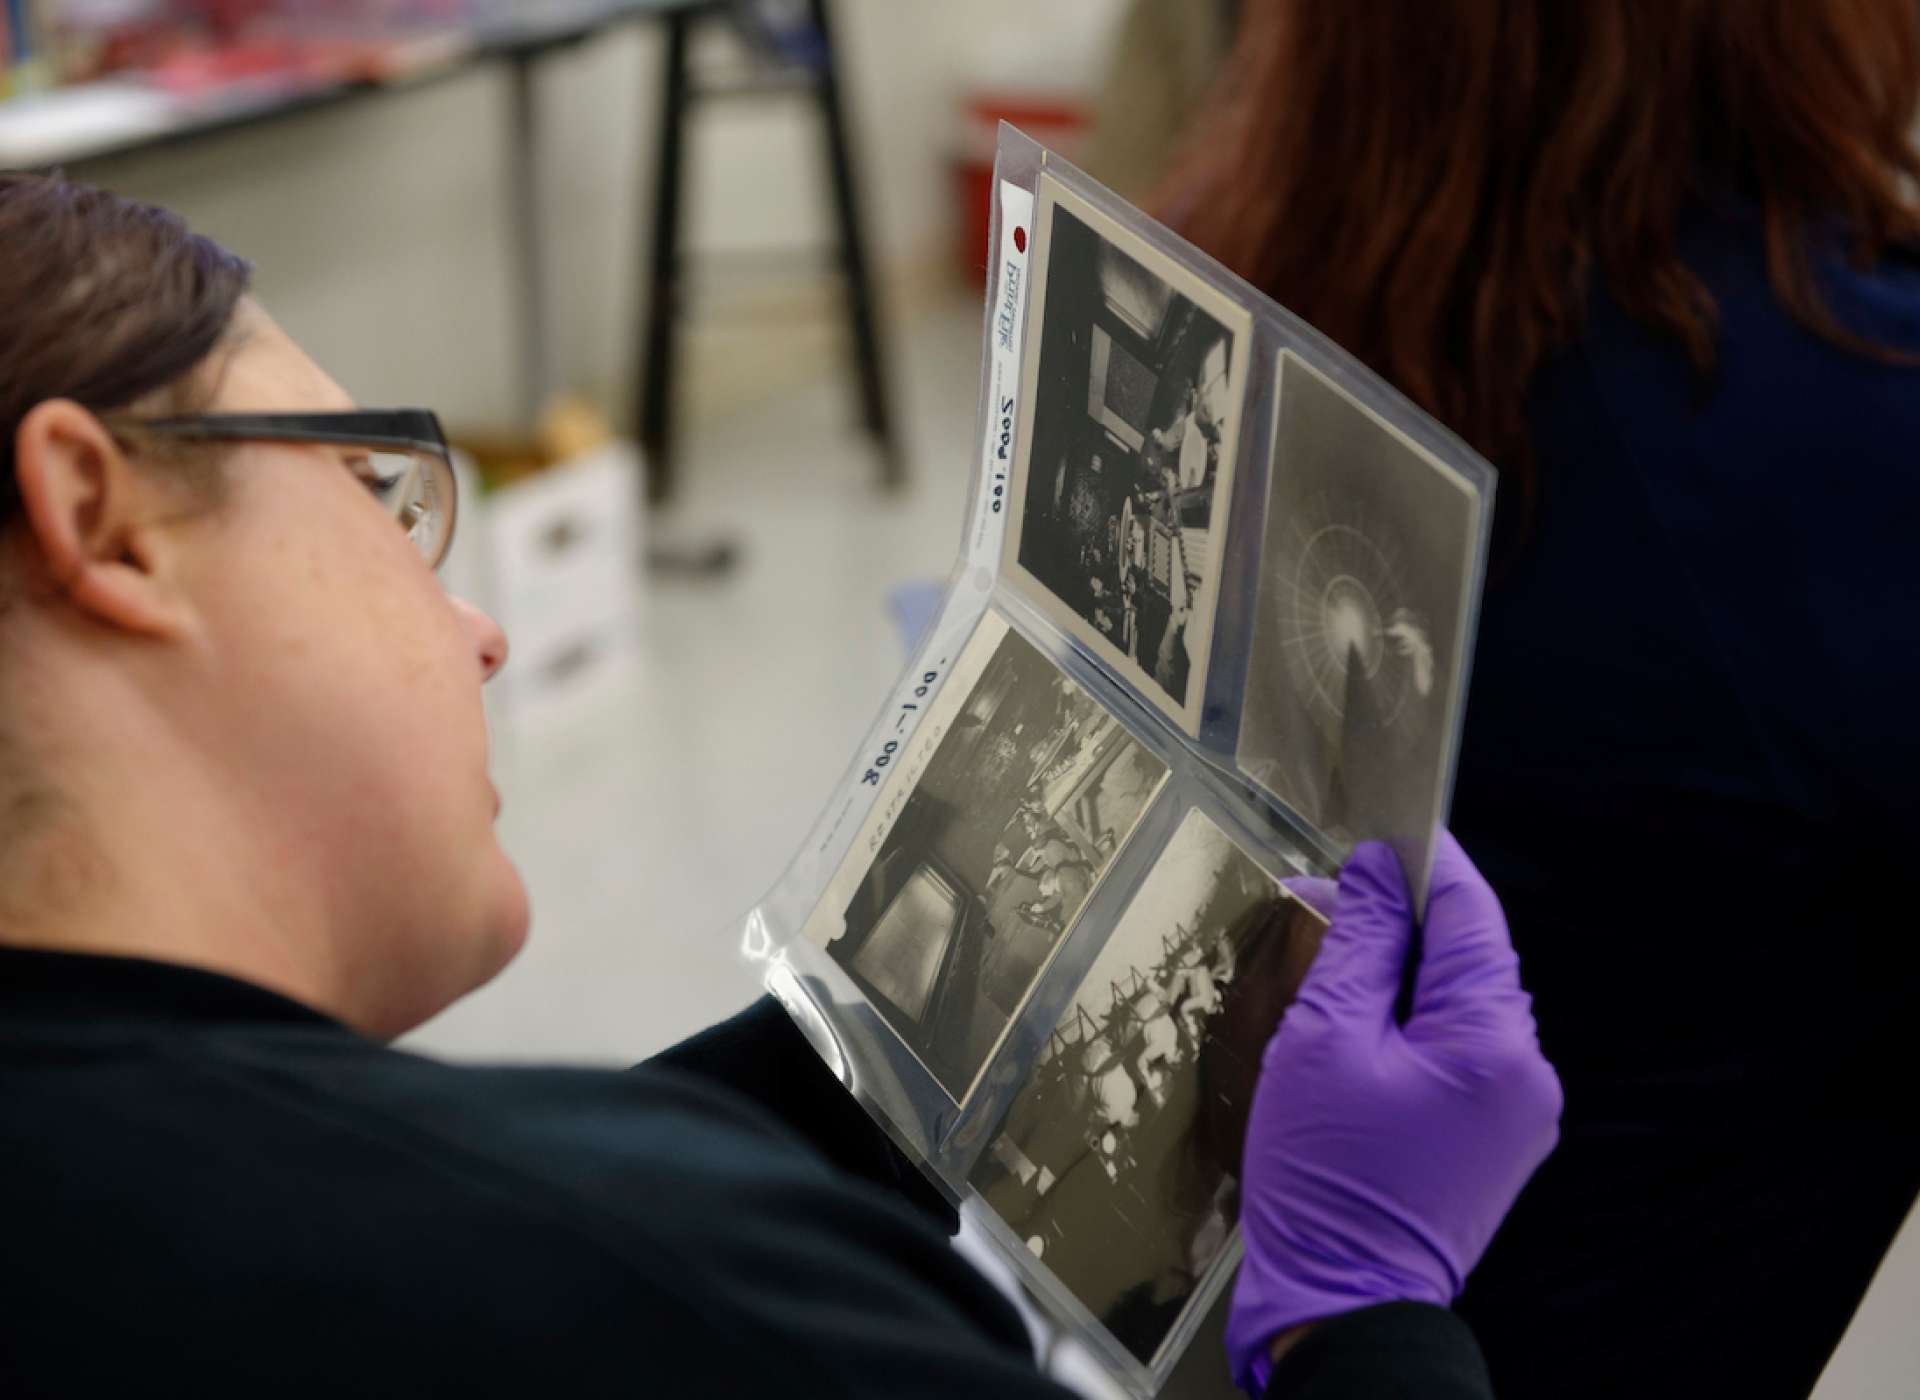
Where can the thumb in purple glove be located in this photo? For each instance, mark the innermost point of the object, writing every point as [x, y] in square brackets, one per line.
[1381, 1157]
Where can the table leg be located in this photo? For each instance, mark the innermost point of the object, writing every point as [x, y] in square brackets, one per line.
[861, 312]
[523, 218]
[655, 416]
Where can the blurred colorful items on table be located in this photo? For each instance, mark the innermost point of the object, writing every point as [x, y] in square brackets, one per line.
[200, 46]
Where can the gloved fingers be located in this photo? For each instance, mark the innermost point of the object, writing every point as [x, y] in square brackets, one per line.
[1503, 1072]
[1365, 946]
[1466, 957]
[1320, 895]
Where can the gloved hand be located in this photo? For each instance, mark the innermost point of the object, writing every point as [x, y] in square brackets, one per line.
[1381, 1157]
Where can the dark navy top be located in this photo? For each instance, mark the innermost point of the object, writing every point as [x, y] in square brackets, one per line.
[1690, 769]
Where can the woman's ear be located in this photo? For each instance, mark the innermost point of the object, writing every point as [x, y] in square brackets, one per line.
[92, 521]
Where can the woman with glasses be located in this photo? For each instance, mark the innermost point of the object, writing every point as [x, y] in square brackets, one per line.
[247, 838]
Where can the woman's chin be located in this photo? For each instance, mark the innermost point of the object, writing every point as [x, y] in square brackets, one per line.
[513, 918]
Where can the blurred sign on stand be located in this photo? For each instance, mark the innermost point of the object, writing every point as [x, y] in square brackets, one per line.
[557, 561]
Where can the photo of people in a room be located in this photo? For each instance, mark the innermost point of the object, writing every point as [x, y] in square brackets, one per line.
[1117, 1162]
[1134, 409]
[1031, 792]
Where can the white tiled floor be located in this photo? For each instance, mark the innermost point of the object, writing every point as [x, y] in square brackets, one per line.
[648, 826]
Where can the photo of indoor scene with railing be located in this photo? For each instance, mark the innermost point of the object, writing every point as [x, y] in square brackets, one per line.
[1122, 490]
[1118, 1162]
[1019, 811]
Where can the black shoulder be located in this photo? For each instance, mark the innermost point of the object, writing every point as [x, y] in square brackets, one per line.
[761, 1056]
[701, 1195]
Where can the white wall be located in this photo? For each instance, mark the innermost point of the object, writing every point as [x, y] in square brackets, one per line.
[381, 228]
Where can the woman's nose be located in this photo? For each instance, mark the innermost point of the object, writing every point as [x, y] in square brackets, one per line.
[488, 640]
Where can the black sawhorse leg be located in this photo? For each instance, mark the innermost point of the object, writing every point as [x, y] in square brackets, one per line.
[663, 292]
[861, 317]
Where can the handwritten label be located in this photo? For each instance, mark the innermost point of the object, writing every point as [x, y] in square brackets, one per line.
[1003, 366]
[909, 708]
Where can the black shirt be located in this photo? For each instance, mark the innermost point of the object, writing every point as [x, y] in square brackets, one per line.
[207, 1187]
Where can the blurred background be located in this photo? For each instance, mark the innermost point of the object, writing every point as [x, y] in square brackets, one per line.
[698, 287]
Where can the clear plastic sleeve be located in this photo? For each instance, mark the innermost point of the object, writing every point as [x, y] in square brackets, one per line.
[1209, 624]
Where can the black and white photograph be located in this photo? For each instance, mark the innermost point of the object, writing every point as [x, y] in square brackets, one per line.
[1014, 803]
[1359, 627]
[1118, 1161]
[1134, 378]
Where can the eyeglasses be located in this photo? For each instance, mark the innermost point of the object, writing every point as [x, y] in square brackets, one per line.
[403, 459]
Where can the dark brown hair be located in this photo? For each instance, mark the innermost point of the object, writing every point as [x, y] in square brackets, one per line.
[105, 302]
[102, 301]
[1435, 183]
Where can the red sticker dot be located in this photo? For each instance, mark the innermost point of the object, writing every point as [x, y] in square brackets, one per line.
[1020, 239]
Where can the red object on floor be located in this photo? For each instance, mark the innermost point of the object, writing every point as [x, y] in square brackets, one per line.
[1057, 120]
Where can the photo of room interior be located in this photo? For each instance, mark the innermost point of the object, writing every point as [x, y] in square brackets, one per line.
[1134, 411]
[1020, 810]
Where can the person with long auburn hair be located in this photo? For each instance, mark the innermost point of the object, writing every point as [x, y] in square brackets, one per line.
[1657, 260]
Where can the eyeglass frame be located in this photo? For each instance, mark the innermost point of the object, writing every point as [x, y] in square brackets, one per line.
[377, 429]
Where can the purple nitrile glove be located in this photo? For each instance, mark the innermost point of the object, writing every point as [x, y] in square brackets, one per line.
[1381, 1157]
